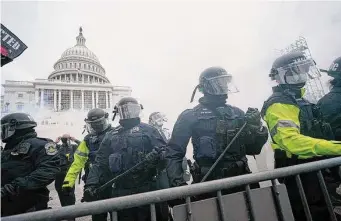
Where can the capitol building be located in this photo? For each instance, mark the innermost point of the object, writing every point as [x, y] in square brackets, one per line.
[78, 82]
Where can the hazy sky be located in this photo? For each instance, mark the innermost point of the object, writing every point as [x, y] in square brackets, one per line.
[160, 48]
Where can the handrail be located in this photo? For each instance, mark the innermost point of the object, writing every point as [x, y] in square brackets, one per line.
[119, 203]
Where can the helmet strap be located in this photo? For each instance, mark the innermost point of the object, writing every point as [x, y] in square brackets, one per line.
[194, 91]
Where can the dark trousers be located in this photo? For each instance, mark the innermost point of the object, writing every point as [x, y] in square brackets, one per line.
[25, 202]
[65, 200]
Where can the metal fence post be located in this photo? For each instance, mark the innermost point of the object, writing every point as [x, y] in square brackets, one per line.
[152, 212]
[303, 198]
[277, 201]
[221, 206]
[326, 196]
[189, 209]
[250, 203]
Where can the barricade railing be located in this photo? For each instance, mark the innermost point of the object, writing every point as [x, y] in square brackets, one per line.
[151, 198]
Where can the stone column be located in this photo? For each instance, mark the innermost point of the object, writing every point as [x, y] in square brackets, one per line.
[60, 100]
[96, 99]
[82, 91]
[77, 77]
[106, 100]
[83, 76]
[88, 79]
[36, 97]
[71, 99]
[93, 99]
[111, 102]
[54, 99]
[42, 98]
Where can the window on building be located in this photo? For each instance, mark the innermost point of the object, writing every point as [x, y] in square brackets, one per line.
[20, 95]
[20, 106]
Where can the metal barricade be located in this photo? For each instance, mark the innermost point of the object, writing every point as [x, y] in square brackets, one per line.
[151, 198]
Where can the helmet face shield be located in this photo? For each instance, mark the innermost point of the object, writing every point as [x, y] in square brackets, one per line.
[7, 131]
[97, 126]
[129, 111]
[217, 85]
[298, 72]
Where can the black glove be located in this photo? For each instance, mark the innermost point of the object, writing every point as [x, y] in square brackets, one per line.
[152, 156]
[253, 118]
[9, 190]
[90, 194]
[67, 191]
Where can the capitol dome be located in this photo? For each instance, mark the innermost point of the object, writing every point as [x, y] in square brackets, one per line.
[79, 64]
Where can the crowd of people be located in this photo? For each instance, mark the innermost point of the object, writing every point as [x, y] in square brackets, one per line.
[155, 159]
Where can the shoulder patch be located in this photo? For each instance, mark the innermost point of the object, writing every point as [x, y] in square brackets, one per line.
[135, 129]
[51, 148]
[24, 148]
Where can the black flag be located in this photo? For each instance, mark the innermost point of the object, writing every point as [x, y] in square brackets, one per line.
[11, 46]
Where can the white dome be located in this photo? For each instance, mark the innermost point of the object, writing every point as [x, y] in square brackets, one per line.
[79, 60]
[80, 51]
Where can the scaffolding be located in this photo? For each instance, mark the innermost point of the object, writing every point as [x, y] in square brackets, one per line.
[314, 87]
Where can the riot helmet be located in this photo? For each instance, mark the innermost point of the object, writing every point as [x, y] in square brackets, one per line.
[97, 121]
[334, 69]
[157, 119]
[214, 81]
[15, 122]
[293, 68]
[127, 108]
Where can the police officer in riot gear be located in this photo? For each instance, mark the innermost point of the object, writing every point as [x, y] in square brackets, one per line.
[298, 133]
[66, 152]
[97, 125]
[28, 165]
[211, 125]
[122, 148]
[330, 104]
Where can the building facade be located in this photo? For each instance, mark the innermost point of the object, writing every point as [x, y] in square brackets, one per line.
[78, 82]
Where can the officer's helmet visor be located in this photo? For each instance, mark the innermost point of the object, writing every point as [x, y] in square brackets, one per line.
[97, 126]
[7, 130]
[129, 111]
[218, 85]
[299, 71]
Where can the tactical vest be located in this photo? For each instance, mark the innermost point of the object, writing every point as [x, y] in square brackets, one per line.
[93, 142]
[310, 117]
[130, 148]
[212, 132]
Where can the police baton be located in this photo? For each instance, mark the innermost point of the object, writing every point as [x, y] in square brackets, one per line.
[223, 153]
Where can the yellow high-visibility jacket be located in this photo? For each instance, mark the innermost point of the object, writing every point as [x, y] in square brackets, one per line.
[80, 159]
[283, 117]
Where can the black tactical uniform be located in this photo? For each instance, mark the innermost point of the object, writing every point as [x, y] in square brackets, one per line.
[330, 104]
[28, 165]
[121, 149]
[299, 134]
[66, 151]
[211, 125]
